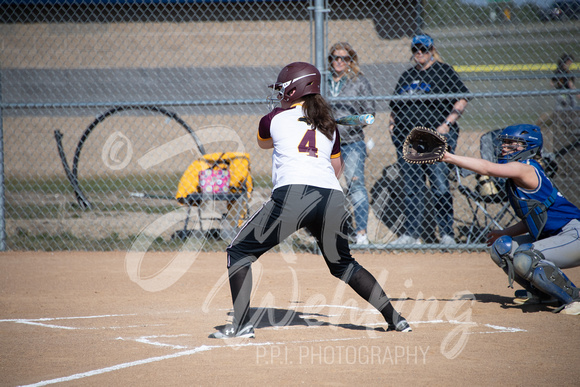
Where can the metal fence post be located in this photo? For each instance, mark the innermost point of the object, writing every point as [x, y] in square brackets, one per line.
[2, 195]
[319, 41]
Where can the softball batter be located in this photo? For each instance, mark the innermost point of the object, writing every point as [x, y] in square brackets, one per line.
[547, 239]
[306, 193]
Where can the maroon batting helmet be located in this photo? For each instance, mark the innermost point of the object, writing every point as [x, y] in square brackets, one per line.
[301, 77]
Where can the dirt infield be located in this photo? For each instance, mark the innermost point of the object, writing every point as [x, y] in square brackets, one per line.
[79, 317]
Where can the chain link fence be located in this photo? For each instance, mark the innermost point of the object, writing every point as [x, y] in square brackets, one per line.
[109, 106]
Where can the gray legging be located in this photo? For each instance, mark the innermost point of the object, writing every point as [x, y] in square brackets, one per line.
[562, 249]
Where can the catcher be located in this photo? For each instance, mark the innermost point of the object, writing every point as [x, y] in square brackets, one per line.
[546, 239]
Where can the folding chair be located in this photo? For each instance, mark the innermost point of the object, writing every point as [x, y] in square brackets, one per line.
[488, 200]
[216, 177]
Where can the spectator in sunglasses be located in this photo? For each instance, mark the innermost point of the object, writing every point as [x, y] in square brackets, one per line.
[347, 80]
[429, 75]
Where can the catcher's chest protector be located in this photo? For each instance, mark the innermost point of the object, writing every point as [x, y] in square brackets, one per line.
[533, 212]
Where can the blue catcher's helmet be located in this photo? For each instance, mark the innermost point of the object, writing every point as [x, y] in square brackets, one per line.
[529, 135]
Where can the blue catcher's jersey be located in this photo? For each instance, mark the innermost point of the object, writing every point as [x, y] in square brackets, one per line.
[559, 213]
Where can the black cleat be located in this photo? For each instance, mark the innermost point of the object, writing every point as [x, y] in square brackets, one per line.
[229, 332]
[402, 326]
[524, 297]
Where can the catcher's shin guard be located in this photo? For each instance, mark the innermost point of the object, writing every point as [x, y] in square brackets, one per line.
[544, 275]
[501, 250]
[501, 254]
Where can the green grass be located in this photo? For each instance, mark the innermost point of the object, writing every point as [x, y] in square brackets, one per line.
[510, 53]
[72, 210]
[451, 13]
[109, 197]
[40, 185]
[166, 183]
[66, 241]
[521, 40]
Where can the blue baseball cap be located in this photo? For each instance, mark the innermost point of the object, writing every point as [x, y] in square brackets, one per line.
[422, 40]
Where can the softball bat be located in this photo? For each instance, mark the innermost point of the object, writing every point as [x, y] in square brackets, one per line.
[356, 119]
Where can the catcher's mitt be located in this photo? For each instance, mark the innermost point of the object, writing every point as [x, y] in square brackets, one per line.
[424, 146]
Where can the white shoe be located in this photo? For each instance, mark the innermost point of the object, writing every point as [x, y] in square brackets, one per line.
[572, 308]
[362, 239]
[406, 240]
[447, 240]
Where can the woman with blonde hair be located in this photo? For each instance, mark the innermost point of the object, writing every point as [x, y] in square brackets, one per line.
[347, 80]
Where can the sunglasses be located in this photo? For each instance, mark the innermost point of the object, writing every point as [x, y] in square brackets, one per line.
[421, 49]
[345, 59]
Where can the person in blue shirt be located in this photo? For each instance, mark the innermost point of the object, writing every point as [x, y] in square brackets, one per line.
[546, 240]
[432, 78]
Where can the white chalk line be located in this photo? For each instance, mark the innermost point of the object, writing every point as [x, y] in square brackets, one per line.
[40, 321]
[121, 366]
[146, 340]
[152, 340]
[66, 318]
[496, 328]
[501, 329]
[28, 322]
[188, 352]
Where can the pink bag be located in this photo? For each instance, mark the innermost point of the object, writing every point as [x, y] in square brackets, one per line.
[214, 181]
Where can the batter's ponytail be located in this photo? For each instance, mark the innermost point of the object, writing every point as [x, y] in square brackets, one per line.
[319, 114]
